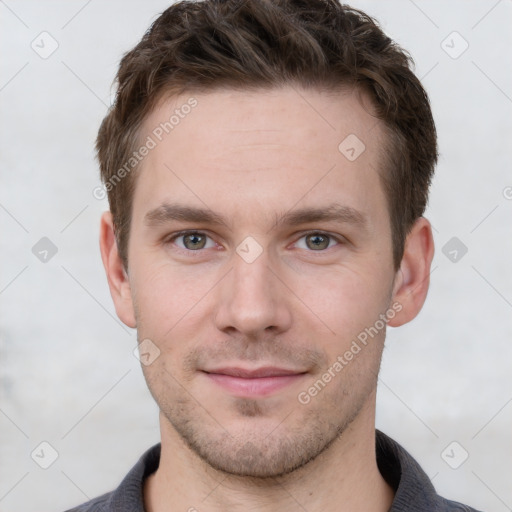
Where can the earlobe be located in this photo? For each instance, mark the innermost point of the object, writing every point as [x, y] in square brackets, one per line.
[117, 277]
[413, 277]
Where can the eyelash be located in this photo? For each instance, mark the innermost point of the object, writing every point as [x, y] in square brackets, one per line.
[171, 239]
[189, 252]
[338, 240]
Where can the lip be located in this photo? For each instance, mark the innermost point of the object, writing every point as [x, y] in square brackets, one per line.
[263, 371]
[253, 383]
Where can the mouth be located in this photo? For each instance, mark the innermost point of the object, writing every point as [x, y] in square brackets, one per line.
[258, 382]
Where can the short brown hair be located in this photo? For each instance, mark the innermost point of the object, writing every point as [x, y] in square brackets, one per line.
[246, 44]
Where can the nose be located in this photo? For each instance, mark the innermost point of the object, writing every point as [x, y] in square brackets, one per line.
[252, 299]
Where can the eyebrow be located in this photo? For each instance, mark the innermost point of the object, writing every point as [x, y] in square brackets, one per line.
[332, 212]
[168, 212]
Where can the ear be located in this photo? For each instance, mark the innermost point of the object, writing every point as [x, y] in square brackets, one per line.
[413, 277]
[117, 277]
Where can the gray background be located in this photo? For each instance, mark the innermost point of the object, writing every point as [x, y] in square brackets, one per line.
[68, 373]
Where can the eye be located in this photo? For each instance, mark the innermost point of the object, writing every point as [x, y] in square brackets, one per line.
[316, 241]
[192, 241]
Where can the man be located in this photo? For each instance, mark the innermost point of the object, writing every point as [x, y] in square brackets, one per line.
[267, 166]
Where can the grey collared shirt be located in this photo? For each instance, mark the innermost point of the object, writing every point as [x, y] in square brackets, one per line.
[413, 490]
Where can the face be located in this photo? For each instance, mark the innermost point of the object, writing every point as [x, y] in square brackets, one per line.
[257, 245]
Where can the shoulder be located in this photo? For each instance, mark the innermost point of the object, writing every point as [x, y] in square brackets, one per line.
[414, 491]
[99, 504]
[129, 493]
[454, 506]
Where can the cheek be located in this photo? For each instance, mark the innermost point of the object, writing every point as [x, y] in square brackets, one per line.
[350, 305]
[345, 301]
[168, 298]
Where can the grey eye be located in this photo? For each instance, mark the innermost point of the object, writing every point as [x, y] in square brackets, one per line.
[317, 241]
[194, 241]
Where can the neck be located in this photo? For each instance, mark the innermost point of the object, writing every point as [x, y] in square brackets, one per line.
[344, 477]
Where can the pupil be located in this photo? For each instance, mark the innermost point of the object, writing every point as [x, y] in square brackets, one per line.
[318, 242]
[195, 241]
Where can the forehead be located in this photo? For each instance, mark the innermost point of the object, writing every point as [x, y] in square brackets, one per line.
[283, 145]
[268, 116]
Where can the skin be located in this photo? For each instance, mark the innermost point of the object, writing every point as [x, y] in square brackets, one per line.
[252, 157]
